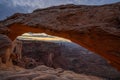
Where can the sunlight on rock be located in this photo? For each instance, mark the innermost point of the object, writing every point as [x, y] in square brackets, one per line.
[41, 37]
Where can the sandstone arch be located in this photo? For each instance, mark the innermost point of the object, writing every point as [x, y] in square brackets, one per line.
[104, 44]
[95, 27]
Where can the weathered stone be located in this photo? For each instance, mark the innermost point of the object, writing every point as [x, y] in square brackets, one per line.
[45, 73]
[5, 49]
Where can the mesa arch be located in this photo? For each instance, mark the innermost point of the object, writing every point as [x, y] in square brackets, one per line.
[103, 44]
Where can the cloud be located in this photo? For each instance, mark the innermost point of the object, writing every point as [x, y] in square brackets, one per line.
[9, 7]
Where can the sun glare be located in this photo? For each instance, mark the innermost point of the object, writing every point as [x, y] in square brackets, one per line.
[42, 37]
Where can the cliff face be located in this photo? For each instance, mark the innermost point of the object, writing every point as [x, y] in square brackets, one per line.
[95, 27]
[40, 50]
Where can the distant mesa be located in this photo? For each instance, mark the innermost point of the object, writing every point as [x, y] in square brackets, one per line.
[41, 37]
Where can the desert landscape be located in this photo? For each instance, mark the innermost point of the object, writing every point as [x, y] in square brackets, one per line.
[66, 42]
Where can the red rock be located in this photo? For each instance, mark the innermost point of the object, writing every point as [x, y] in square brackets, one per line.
[94, 27]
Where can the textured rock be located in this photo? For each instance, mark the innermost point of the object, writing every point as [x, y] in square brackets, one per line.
[45, 73]
[4, 30]
[56, 52]
[94, 27]
[5, 47]
[5, 41]
[5, 52]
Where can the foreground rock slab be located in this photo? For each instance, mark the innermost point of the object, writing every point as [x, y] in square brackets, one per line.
[45, 73]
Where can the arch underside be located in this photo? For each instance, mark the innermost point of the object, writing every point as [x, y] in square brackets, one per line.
[103, 44]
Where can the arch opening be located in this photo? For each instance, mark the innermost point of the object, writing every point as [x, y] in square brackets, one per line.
[43, 49]
[84, 40]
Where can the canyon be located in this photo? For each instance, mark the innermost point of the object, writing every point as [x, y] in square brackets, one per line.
[96, 28]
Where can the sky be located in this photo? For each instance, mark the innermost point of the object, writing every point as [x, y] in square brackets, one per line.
[9, 7]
